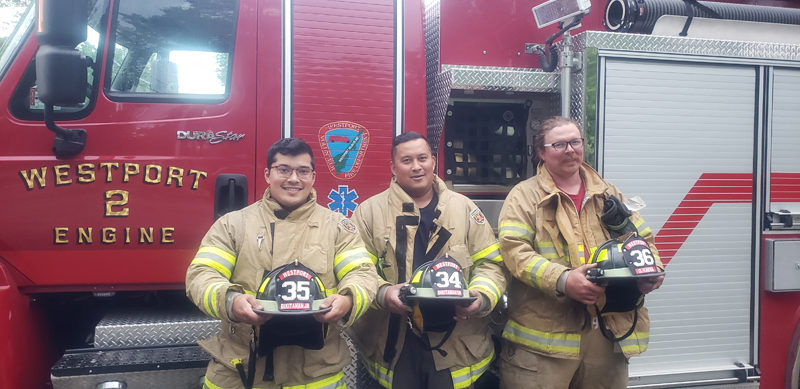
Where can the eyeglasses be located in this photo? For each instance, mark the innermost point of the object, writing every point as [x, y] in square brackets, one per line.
[576, 144]
[303, 172]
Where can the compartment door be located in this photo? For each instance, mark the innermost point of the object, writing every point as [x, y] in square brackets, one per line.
[681, 135]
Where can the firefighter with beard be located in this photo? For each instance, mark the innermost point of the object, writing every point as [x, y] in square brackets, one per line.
[285, 226]
[415, 220]
[549, 226]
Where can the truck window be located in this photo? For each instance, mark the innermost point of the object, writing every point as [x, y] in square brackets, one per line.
[25, 103]
[171, 50]
[14, 25]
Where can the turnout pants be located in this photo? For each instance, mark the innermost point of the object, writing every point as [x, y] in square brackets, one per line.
[600, 365]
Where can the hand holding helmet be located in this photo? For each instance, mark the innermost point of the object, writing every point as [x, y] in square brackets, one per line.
[393, 302]
[469, 311]
[243, 308]
[580, 288]
[340, 306]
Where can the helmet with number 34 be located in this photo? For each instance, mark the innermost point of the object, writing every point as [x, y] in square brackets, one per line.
[435, 289]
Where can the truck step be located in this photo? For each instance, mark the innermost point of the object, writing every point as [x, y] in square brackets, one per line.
[161, 366]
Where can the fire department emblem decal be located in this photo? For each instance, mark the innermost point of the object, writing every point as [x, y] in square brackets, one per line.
[344, 145]
[477, 215]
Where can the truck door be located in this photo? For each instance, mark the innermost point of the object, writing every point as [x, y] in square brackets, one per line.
[780, 296]
[172, 108]
[682, 136]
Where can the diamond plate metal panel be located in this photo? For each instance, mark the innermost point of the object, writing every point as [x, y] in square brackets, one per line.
[438, 96]
[437, 84]
[502, 79]
[432, 26]
[138, 328]
[690, 46]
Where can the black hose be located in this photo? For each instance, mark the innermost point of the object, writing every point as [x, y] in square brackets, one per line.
[639, 16]
[548, 55]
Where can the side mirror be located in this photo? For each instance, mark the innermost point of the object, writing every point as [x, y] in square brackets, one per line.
[60, 69]
[60, 75]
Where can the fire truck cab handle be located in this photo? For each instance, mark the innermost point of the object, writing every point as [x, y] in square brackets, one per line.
[230, 193]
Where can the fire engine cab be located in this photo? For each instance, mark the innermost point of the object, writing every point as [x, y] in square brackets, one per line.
[128, 126]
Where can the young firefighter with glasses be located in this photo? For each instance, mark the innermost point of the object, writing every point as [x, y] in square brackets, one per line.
[286, 227]
[559, 333]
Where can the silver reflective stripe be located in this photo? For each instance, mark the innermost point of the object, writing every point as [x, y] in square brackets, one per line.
[487, 285]
[565, 343]
[535, 275]
[510, 229]
[350, 259]
[464, 377]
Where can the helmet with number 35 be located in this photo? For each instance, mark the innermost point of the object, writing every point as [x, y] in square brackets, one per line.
[291, 294]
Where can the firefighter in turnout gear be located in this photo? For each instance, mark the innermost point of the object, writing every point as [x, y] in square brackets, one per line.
[285, 226]
[417, 219]
[549, 227]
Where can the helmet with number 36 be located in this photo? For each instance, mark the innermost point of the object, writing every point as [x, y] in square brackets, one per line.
[620, 262]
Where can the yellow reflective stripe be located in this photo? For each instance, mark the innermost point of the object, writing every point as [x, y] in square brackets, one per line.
[333, 382]
[378, 372]
[348, 260]
[561, 342]
[591, 254]
[487, 285]
[642, 228]
[217, 259]
[208, 385]
[416, 277]
[210, 299]
[491, 253]
[517, 229]
[359, 301]
[373, 258]
[464, 377]
[636, 343]
[535, 269]
[582, 253]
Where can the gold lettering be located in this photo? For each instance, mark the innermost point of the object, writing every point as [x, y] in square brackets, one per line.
[36, 177]
[85, 235]
[123, 199]
[127, 235]
[85, 173]
[61, 172]
[176, 173]
[130, 170]
[147, 170]
[166, 235]
[109, 235]
[197, 174]
[60, 235]
[108, 166]
[145, 234]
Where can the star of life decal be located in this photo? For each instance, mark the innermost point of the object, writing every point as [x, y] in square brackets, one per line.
[343, 200]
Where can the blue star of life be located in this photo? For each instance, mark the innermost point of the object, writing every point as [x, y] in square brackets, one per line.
[343, 200]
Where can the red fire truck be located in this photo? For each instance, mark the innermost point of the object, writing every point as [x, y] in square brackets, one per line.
[129, 126]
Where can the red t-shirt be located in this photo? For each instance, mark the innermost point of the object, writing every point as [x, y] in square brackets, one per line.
[577, 198]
